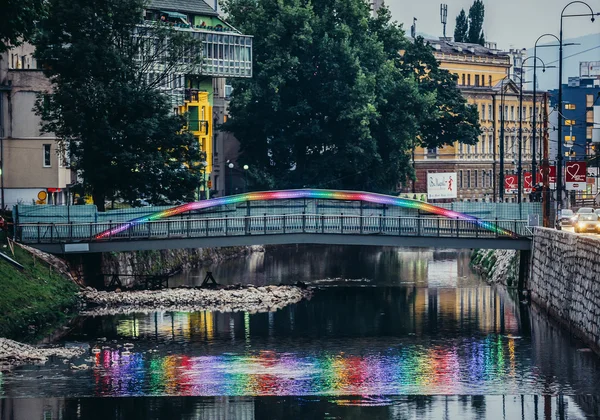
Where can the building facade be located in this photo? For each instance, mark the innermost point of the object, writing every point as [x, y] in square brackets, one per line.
[32, 168]
[227, 54]
[581, 111]
[484, 80]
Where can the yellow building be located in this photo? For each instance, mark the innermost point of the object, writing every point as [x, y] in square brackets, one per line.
[198, 108]
[483, 79]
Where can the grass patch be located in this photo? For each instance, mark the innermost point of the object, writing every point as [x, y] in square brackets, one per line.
[36, 296]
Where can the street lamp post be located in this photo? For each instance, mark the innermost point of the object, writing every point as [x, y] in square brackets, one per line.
[245, 178]
[533, 162]
[230, 166]
[559, 155]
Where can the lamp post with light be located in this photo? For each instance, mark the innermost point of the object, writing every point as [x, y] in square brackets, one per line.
[559, 155]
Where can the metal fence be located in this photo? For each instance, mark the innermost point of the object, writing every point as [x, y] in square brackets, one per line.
[268, 225]
[25, 214]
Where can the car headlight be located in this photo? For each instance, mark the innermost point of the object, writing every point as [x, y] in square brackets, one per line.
[580, 224]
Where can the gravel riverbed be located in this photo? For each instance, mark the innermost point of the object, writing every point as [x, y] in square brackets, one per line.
[247, 299]
[13, 353]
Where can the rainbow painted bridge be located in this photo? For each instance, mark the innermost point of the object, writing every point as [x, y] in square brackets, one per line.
[285, 217]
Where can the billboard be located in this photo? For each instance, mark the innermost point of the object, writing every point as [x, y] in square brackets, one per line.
[441, 185]
[511, 184]
[576, 176]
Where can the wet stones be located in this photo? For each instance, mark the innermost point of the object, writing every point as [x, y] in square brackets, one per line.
[234, 299]
[13, 353]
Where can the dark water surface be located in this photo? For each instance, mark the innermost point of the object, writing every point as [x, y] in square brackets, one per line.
[389, 333]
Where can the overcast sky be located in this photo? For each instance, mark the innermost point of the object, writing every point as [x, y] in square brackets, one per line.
[510, 23]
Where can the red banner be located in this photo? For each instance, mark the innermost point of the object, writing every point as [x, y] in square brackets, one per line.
[551, 177]
[576, 176]
[511, 184]
[527, 184]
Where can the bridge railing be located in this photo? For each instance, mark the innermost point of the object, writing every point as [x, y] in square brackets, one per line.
[267, 225]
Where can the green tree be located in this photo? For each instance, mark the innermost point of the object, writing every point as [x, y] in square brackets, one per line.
[115, 126]
[476, 16]
[461, 29]
[332, 103]
[18, 24]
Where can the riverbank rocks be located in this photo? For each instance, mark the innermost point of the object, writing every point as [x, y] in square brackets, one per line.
[245, 299]
[497, 266]
[13, 353]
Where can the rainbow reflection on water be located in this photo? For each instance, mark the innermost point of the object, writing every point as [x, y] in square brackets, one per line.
[463, 367]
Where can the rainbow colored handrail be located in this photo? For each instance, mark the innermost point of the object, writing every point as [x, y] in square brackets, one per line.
[308, 193]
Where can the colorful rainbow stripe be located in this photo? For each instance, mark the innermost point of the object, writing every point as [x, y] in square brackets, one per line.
[307, 193]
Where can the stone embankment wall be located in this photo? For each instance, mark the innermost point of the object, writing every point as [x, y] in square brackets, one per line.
[565, 280]
[168, 260]
[498, 266]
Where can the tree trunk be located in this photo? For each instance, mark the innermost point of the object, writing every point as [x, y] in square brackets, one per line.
[99, 199]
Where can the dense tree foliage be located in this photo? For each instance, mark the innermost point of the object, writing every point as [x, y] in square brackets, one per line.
[116, 127]
[461, 30]
[19, 20]
[339, 99]
[470, 28]
[476, 16]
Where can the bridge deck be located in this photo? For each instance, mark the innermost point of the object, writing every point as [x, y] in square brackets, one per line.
[184, 232]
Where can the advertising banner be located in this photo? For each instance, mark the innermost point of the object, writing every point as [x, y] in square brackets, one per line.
[576, 176]
[551, 178]
[511, 184]
[527, 183]
[441, 185]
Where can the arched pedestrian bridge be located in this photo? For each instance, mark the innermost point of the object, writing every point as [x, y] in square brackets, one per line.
[283, 217]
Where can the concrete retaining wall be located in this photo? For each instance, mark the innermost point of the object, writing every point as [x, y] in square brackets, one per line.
[565, 280]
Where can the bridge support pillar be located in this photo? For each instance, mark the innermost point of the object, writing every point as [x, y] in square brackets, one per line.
[524, 259]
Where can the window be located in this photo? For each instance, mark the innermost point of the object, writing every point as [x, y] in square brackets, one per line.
[482, 145]
[432, 151]
[468, 179]
[490, 113]
[47, 155]
[469, 79]
[476, 80]
[490, 145]
[589, 117]
[570, 107]
[460, 149]
[506, 113]
[489, 80]
[463, 79]
[512, 113]
[483, 180]
[589, 132]
[589, 101]
[476, 179]
[482, 112]
[460, 179]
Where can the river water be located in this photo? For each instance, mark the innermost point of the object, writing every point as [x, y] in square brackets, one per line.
[389, 333]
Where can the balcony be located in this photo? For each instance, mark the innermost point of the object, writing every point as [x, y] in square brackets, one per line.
[200, 126]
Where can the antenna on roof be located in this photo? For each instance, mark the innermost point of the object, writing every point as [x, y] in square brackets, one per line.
[444, 16]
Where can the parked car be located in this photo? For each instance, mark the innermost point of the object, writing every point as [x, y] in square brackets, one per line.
[597, 211]
[567, 217]
[585, 210]
[587, 222]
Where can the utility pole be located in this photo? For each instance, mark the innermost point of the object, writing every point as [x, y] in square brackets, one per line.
[546, 166]
[520, 166]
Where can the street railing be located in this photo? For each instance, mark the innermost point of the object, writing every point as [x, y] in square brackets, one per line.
[267, 225]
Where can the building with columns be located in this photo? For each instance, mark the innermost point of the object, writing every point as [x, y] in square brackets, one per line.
[484, 80]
